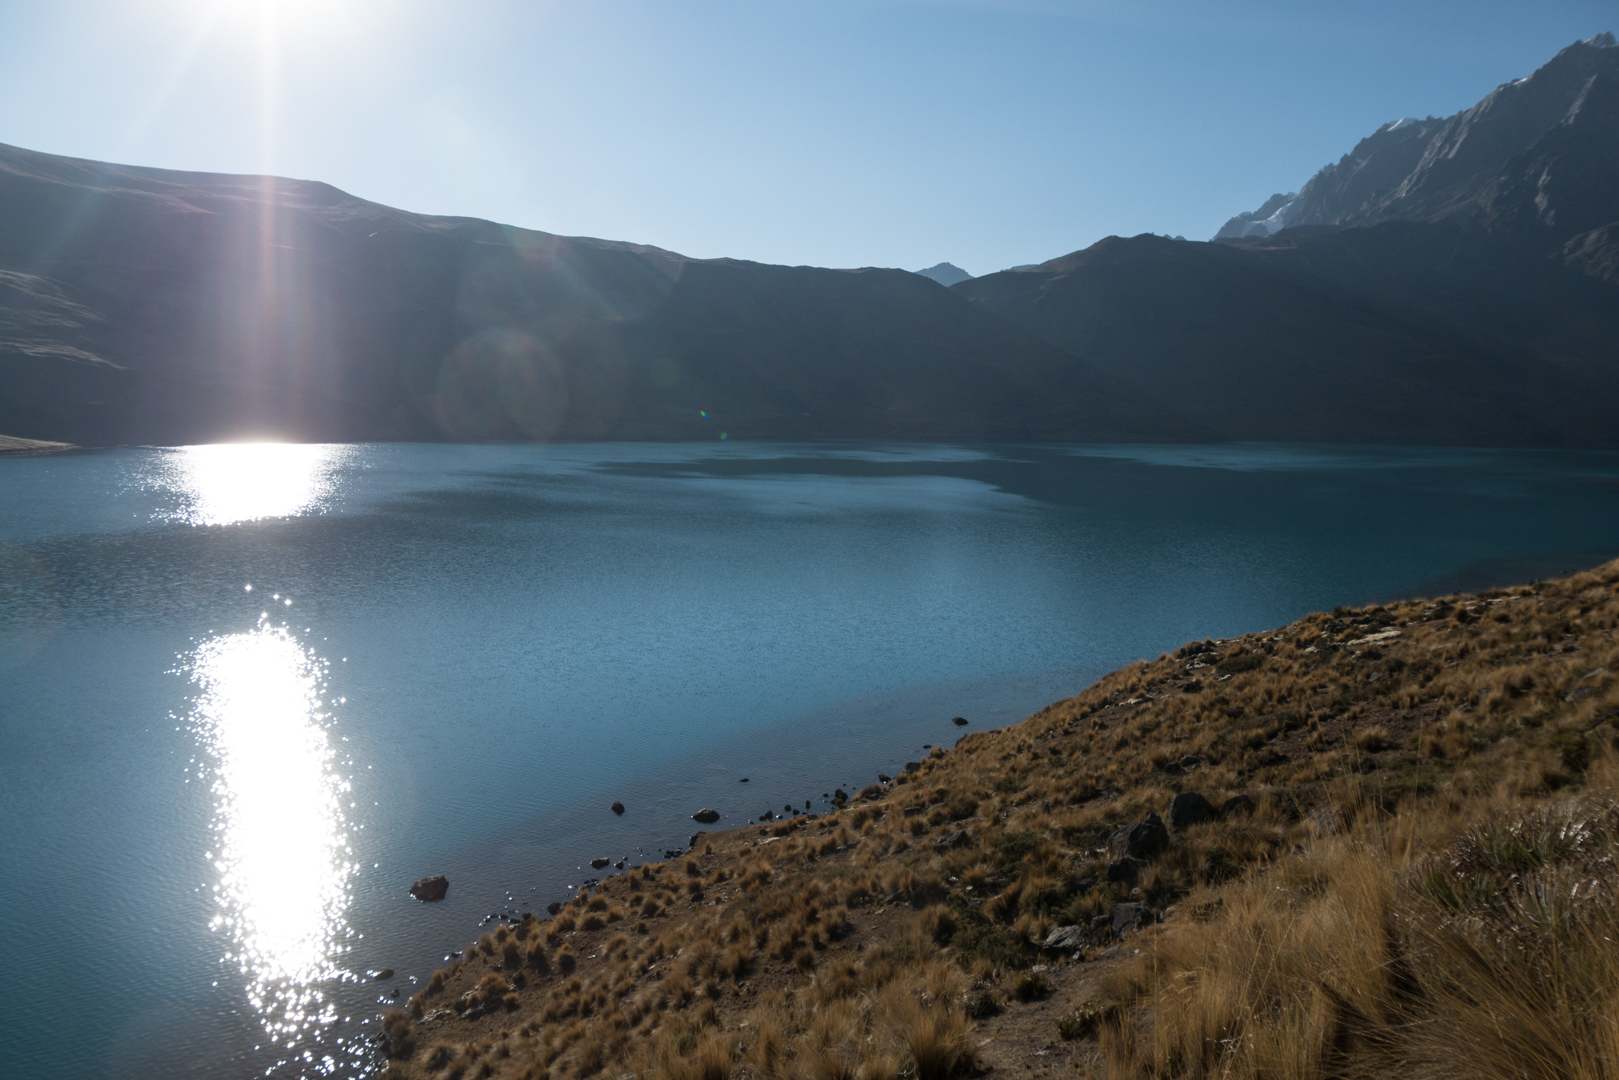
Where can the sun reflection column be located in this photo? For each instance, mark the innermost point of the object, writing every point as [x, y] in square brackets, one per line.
[282, 849]
[222, 483]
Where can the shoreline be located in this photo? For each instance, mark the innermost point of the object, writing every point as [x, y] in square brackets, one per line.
[12, 446]
[990, 909]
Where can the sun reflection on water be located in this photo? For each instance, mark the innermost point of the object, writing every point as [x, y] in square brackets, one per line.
[222, 483]
[282, 850]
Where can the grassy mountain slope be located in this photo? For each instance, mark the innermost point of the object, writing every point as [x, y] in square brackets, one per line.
[142, 305]
[1408, 870]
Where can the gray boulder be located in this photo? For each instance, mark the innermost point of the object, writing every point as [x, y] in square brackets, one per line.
[1129, 917]
[1065, 939]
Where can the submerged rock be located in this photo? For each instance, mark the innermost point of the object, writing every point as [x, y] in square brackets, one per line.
[960, 721]
[618, 808]
[429, 889]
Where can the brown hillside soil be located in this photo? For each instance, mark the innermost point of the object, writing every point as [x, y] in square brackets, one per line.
[1418, 879]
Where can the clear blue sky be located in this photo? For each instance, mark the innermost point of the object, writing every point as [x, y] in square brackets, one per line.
[830, 132]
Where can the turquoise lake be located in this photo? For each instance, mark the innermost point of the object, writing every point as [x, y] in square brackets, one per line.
[248, 694]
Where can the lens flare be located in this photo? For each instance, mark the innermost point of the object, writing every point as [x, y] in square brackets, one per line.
[282, 852]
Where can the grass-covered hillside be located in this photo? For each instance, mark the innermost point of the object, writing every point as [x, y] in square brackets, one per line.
[1402, 863]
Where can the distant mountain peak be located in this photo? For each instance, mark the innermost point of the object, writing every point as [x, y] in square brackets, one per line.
[1526, 160]
[1269, 218]
[946, 274]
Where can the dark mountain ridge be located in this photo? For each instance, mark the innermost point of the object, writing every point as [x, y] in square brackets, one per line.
[1449, 282]
[141, 305]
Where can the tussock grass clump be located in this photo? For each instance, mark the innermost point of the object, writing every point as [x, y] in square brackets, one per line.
[1396, 949]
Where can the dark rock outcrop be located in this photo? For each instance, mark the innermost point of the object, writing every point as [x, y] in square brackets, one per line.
[706, 816]
[1143, 841]
[1237, 806]
[1125, 869]
[1189, 808]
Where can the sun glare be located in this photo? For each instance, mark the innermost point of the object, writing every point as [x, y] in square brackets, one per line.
[228, 482]
[282, 844]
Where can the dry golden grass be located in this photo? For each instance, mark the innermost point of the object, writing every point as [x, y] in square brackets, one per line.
[1419, 880]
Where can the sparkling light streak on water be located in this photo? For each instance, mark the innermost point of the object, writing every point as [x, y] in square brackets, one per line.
[282, 843]
[229, 482]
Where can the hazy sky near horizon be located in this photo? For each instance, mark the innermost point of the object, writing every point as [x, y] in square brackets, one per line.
[829, 132]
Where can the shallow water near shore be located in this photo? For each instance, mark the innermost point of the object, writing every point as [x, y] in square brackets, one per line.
[248, 694]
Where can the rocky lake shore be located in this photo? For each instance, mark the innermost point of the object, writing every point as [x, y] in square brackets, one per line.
[1376, 839]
